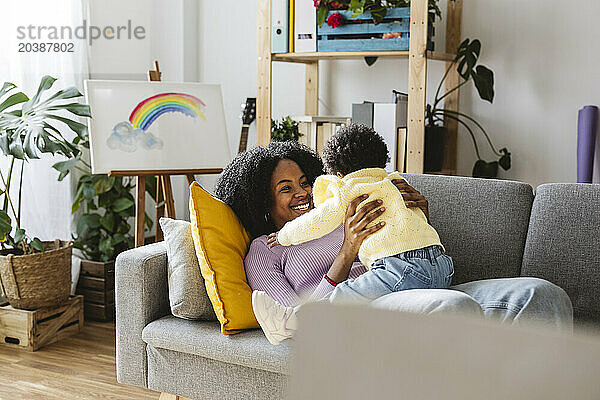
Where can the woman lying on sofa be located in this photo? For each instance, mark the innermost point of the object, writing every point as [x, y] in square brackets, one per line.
[267, 187]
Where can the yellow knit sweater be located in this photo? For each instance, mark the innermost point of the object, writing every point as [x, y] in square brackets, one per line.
[405, 228]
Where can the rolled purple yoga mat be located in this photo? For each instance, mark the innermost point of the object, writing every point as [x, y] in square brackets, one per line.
[587, 126]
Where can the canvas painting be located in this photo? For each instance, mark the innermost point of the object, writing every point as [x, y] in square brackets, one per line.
[156, 126]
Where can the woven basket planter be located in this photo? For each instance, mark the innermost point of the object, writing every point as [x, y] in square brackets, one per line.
[37, 280]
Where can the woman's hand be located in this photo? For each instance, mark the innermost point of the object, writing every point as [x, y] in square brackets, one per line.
[412, 197]
[356, 230]
[272, 240]
[355, 224]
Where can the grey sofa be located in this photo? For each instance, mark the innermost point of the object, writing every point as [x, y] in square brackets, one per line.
[491, 228]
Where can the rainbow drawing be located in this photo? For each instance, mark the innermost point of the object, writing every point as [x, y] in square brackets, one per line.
[147, 111]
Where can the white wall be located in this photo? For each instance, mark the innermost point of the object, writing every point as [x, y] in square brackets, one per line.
[542, 53]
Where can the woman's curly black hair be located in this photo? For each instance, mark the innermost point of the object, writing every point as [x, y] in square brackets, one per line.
[354, 147]
[245, 184]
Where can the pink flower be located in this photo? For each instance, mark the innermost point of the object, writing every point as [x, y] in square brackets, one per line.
[335, 5]
[334, 20]
[317, 3]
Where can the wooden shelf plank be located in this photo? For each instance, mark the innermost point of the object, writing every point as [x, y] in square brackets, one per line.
[443, 172]
[349, 55]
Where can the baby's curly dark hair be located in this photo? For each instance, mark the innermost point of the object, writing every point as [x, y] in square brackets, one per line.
[354, 147]
[245, 184]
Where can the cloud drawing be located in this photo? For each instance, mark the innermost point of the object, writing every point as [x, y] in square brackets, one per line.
[126, 138]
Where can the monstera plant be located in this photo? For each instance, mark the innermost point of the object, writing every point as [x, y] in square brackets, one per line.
[30, 126]
[466, 62]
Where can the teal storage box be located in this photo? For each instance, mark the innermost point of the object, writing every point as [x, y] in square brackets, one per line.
[361, 34]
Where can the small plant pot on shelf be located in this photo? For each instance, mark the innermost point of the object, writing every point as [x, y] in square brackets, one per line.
[483, 169]
[37, 280]
[97, 285]
[361, 34]
[435, 144]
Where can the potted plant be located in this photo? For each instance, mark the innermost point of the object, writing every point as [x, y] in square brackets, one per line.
[33, 273]
[103, 231]
[286, 129]
[466, 59]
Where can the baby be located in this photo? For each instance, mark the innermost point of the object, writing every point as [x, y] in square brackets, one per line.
[405, 253]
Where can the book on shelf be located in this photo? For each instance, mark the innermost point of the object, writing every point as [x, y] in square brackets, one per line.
[305, 27]
[279, 26]
[291, 26]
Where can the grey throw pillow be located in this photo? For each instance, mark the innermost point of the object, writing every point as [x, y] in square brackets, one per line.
[187, 293]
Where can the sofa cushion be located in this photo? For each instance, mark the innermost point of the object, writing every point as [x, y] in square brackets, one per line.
[221, 244]
[563, 243]
[202, 338]
[187, 293]
[197, 377]
[481, 222]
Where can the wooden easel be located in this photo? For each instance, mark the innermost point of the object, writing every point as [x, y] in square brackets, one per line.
[164, 190]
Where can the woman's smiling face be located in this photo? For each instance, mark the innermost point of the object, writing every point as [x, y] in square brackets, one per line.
[291, 193]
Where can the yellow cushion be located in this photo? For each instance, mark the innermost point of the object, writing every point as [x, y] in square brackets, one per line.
[221, 244]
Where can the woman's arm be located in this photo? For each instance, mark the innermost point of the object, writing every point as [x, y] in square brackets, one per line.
[355, 231]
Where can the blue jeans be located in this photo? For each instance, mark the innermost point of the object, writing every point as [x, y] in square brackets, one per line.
[510, 301]
[426, 268]
[518, 301]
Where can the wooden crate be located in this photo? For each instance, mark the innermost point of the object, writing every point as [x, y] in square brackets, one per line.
[358, 34]
[31, 330]
[97, 285]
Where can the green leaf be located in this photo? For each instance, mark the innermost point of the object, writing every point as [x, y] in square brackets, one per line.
[13, 99]
[29, 145]
[65, 166]
[105, 245]
[83, 110]
[89, 192]
[108, 221]
[122, 204]
[15, 148]
[4, 140]
[87, 221]
[118, 238]
[63, 94]
[483, 78]
[45, 84]
[378, 14]
[7, 87]
[322, 14]
[19, 235]
[102, 183]
[79, 128]
[357, 7]
[37, 244]
[5, 225]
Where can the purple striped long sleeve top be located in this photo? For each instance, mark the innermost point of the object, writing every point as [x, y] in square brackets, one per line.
[294, 274]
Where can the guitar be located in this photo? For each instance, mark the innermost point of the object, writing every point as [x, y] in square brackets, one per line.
[248, 115]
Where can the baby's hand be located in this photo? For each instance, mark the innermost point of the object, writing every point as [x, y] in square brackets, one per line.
[272, 240]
